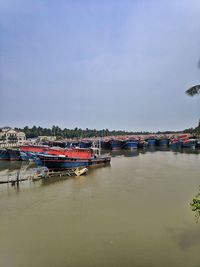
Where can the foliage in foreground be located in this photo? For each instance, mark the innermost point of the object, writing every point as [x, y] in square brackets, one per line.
[194, 90]
[195, 205]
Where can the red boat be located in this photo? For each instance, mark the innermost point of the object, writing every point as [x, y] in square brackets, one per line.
[69, 152]
[34, 149]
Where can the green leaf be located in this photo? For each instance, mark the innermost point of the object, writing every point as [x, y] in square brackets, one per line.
[194, 90]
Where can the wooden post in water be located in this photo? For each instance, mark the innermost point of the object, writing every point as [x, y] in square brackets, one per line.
[99, 147]
[17, 180]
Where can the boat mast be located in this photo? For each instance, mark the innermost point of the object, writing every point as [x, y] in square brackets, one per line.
[99, 147]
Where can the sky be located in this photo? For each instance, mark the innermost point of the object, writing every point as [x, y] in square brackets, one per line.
[122, 65]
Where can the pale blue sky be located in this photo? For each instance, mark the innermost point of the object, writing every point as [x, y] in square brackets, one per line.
[99, 64]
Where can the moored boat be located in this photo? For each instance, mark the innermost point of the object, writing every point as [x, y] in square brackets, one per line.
[82, 153]
[116, 144]
[29, 152]
[73, 144]
[63, 162]
[191, 143]
[142, 144]
[163, 142]
[34, 148]
[85, 144]
[131, 144]
[152, 142]
[24, 156]
[4, 155]
[175, 143]
[105, 144]
[14, 154]
[81, 171]
[56, 151]
[198, 143]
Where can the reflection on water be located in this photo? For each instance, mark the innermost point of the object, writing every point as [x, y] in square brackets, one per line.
[135, 212]
[187, 237]
[12, 170]
[125, 153]
[8, 168]
[137, 152]
[10, 165]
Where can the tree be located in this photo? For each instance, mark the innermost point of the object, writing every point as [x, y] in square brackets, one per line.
[194, 90]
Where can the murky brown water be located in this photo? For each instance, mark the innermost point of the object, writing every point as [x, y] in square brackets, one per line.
[133, 213]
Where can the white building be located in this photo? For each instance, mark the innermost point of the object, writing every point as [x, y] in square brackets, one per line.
[11, 137]
[47, 138]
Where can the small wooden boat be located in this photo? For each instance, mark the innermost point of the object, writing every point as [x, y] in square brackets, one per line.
[79, 171]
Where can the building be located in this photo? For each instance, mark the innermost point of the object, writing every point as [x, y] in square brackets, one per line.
[46, 138]
[11, 137]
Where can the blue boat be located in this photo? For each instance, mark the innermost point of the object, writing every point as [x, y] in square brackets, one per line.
[175, 144]
[85, 144]
[14, 154]
[4, 155]
[142, 144]
[152, 142]
[116, 144]
[31, 155]
[163, 142]
[131, 144]
[63, 162]
[24, 156]
[197, 143]
[191, 143]
[105, 144]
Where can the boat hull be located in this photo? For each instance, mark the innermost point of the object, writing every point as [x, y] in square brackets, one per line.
[62, 163]
[116, 144]
[105, 144]
[163, 142]
[189, 144]
[31, 151]
[198, 143]
[131, 145]
[142, 144]
[4, 155]
[175, 145]
[85, 144]
[152, 142]
[14, 154]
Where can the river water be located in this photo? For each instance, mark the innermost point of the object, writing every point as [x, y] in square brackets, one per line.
[134, 213]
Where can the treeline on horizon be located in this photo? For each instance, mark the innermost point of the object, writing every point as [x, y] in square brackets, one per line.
[86, 133]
